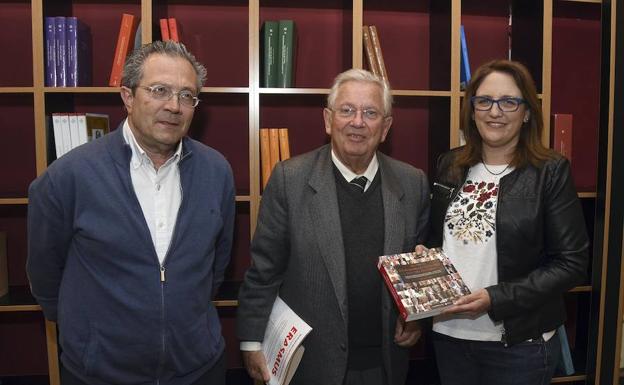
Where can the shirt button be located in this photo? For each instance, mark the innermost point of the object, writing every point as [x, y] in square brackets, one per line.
[161, 225]
[157, 187]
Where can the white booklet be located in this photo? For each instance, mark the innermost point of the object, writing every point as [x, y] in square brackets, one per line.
[282, 342]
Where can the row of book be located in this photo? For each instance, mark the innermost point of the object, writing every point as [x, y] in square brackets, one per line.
[274, 147]
[169, 29]
[128, 39]
[375, 60]
[67, 52]
[279, 42]
[374, 55]
[70, 130]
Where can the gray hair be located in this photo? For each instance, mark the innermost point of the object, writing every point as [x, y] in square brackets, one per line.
[360, 75]
[133, 69]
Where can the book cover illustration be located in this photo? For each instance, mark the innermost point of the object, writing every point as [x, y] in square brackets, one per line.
[422, 285]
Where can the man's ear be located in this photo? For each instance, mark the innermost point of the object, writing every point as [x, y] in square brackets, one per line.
[127, 97]
[386, 128]
[327, 118]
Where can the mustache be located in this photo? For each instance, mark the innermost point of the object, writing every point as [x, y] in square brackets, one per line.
[169, 118]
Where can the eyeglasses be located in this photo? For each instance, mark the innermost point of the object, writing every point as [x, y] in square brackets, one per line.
[349, 112]
[507, 104]
[164, 93]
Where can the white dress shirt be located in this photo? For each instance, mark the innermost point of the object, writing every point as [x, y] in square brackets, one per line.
[349, 175]
[159, 192]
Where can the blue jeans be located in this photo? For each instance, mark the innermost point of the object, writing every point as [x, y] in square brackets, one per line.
[465, 362]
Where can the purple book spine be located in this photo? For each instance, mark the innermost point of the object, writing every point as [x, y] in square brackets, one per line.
[50, 40]
[61, 51]
[71, 24]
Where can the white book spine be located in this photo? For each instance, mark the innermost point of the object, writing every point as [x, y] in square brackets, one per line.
[74, 131]
[67, 145]
[83, 136]
[58, 135]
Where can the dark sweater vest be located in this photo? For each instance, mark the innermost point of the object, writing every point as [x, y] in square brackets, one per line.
[362, 222]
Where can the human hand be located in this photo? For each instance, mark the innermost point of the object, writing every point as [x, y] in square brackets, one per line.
[421, 250]
[472, 305]
[407, 333]
[256, 365]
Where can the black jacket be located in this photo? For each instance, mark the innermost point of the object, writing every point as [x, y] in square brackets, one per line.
[541, 242]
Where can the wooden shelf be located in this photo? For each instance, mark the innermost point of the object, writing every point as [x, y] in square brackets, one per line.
[559, 380]
[292, 91]
[17, 90]
[13, 201]
[581, 289]
[587, 194]
[81, 90]
[583, 1]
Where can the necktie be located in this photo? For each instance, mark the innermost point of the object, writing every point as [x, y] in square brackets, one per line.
[360, 181]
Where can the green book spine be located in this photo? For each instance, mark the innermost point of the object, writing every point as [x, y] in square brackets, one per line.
[270, 44]
[286, 54]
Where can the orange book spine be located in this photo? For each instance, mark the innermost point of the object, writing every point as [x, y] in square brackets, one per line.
[126, 35]
[265, 156]
[164, 30]
[173, 29]
[371, 59]
[562, 134]
[274, 146]
[378, 54]
[284, 145]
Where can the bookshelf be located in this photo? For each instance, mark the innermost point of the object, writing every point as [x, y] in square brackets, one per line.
[420, 42]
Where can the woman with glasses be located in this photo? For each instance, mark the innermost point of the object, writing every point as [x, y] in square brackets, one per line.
[506, 212]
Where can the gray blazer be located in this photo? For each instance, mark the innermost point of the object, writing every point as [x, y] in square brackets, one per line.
[297, 252]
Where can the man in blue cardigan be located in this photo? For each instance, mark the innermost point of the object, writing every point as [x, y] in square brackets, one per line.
[129, 237]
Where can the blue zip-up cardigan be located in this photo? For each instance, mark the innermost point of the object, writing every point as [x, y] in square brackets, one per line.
[93, 267]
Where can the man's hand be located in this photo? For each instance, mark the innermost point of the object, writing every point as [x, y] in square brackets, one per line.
[472, 305]
[407, 333]
[421, 250]
[256, 365]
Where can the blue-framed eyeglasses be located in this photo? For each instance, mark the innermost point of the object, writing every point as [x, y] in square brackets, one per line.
[506, 104]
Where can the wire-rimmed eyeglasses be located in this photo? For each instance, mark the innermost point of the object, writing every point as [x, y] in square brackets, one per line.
[349, 112]
[165, 93]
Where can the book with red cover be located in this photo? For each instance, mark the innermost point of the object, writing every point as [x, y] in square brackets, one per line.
[422, 285]
[125, 42]
[562, 134]
[174, 31]
[164, 30]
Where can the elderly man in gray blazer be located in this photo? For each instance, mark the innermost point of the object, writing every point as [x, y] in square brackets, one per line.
[325, 216]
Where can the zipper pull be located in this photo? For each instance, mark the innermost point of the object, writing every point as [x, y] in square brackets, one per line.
[446, 188]
[162, 274]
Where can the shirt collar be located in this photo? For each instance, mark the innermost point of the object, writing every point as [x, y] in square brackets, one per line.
[139, 156]
[370, 172]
